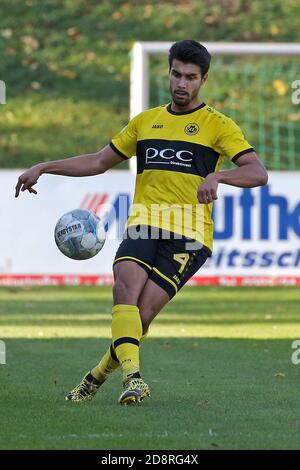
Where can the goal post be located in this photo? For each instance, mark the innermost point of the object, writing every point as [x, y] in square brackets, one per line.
[140, 87]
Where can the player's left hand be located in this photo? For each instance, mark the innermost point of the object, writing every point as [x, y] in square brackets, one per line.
[207, 192]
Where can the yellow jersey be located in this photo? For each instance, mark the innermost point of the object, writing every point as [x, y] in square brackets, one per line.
[175, 152]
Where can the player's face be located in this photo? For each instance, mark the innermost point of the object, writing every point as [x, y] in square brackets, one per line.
[185, 82]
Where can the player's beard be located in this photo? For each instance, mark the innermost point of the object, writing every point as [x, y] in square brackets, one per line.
[185, 100]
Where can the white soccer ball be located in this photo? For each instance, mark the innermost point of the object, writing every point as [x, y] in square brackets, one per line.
[79, 234]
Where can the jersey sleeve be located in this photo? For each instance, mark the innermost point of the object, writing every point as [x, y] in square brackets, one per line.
[231, 141]
[124, 143]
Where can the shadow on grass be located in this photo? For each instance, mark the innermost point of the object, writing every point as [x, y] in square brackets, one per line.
[98, 312]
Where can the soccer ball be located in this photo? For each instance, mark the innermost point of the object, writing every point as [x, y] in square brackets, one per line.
[79, 234]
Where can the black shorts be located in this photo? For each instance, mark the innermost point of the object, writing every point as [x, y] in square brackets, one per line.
[169, 261]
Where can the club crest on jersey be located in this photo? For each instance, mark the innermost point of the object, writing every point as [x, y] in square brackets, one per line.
[191, 129]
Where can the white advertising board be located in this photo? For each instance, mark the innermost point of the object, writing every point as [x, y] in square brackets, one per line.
[257, 231]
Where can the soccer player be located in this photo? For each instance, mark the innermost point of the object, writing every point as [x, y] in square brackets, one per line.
[180, 148]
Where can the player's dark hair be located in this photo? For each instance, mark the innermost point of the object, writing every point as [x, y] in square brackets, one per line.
[190, 51]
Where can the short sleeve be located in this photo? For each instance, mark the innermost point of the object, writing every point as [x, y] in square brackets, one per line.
[231, 141]
[124, 143]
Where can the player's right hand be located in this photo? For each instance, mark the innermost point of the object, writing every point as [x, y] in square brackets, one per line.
[27, 180]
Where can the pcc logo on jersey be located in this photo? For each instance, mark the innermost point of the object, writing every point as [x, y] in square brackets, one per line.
[167, 155]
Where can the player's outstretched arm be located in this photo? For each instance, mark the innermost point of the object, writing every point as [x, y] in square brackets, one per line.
[83, 165]
[251, 173]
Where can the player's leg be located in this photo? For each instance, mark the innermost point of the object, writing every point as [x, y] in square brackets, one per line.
[152, 299]
[130, 279]
[129, 282]
[131, 268]
[110, 362]
[126, 320]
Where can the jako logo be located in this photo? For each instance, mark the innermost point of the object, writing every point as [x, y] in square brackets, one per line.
[288, 219]
[165, 156]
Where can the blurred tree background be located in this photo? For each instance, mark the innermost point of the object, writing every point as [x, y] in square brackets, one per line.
[66, 62]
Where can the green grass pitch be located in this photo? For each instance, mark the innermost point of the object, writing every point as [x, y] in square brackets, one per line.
[218, 361]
